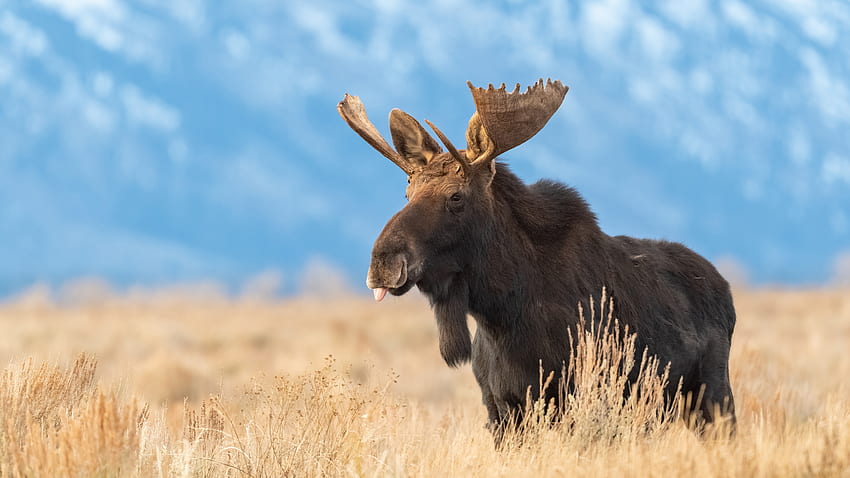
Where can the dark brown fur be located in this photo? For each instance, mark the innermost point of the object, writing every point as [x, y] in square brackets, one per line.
[519, 259]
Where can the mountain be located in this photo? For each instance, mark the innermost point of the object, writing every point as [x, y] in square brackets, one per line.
[155, 142]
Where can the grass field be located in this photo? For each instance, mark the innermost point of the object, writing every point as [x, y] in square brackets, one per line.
[193, 384]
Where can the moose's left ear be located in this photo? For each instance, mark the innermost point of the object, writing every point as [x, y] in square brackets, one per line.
[411, 140]
[478, 142]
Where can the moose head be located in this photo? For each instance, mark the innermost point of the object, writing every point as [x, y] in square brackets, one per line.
[450, 202]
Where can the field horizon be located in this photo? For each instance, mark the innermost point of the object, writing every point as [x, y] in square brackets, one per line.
[184, 383]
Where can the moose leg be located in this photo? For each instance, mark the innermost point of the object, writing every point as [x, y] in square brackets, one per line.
[481, 370]
[717, 402]
[508, 421]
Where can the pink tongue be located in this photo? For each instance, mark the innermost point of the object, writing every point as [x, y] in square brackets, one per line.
[379, 293]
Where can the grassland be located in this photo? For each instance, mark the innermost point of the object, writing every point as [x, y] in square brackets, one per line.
[179, 384]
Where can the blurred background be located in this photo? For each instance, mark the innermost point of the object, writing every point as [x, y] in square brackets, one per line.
[152, 143]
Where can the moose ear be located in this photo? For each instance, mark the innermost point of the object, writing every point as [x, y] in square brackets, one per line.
[478, 142]
[411, 140]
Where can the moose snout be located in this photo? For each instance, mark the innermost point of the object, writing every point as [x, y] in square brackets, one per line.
[387, 271]
[396, 264]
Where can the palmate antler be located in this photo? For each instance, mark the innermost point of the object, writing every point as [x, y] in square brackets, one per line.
[503, 120]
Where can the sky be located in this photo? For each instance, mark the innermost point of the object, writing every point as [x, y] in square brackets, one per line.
[157, 142]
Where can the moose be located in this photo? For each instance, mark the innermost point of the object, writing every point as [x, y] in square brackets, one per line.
[519, 258]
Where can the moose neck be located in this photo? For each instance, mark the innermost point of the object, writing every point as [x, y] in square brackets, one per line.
[533, 227]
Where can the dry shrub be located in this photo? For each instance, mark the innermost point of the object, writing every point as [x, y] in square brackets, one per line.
[593, 410]
[170, 377]
[320, 423]
[100, 438]
[56, 422]
[42, 395]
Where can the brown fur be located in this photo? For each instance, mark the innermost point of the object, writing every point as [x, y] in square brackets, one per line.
[519, 258]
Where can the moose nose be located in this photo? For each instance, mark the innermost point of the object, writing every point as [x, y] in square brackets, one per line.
[387, 272]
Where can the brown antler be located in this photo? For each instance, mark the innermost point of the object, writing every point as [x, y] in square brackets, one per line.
[504, 120]
[461, 159]
[354, 113]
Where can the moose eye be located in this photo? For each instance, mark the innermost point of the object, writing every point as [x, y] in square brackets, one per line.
[455, 198]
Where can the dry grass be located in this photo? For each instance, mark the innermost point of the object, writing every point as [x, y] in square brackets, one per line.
[55, 422]
[247, 388]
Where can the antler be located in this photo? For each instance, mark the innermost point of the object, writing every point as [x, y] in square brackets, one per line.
[461, 159]
[510, 118]
[354, 113]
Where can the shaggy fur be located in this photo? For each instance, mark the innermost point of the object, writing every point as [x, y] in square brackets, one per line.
[519, 258]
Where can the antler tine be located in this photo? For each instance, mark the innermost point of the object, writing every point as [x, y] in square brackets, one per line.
[511, 118]
[454, 152]
[354, 113]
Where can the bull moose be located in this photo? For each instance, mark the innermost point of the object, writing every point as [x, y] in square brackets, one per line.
[518, 258]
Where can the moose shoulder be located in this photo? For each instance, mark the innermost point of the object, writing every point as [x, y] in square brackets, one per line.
[518, 258]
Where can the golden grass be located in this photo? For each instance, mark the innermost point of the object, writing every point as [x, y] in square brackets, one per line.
[55, 422]
[203, 386]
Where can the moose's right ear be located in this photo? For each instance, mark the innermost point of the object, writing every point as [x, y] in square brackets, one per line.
[411, 140]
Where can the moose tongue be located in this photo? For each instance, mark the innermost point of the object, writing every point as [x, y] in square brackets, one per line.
[380, 292]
